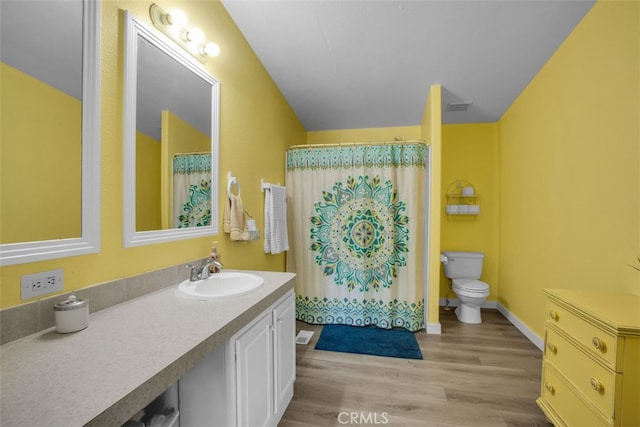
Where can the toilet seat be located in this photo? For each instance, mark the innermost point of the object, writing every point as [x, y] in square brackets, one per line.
[470, 286]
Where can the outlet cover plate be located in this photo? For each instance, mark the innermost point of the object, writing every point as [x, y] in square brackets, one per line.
[38, 284]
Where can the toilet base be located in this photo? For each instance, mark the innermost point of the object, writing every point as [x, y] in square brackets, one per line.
[468, 314]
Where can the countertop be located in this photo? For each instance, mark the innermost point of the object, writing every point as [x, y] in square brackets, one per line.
[129, 354]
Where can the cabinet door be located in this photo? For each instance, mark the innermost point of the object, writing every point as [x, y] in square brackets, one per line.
[284, 318]
[254, 374]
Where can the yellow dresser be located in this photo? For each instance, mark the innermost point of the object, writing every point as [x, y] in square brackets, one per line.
[591, 366]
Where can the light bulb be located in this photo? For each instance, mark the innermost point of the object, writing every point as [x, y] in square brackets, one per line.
[177, 18]
[194, 35]
[211, 49]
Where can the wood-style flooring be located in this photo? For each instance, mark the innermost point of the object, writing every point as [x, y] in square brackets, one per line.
[471, 375]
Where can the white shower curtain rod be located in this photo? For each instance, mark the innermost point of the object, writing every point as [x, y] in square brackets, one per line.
[347, 144]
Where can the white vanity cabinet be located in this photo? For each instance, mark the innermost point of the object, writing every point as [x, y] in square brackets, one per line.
[284, 320]
[254, 353]
[265, 365]
[249, 380]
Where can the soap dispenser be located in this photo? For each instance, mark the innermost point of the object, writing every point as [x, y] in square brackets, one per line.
[214, 256]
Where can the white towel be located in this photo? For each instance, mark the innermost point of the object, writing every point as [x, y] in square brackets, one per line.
[275, 220]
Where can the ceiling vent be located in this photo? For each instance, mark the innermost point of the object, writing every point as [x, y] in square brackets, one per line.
[458, 106]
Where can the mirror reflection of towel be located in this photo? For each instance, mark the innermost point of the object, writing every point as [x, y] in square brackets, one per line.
[276, 239]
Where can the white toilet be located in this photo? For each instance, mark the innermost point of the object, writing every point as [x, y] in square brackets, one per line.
[465, 268]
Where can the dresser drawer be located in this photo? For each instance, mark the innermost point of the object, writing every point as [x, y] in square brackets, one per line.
[598, 342]
[561, 405]
[596, 382]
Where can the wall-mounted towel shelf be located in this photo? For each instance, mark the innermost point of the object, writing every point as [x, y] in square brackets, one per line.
[462, 199]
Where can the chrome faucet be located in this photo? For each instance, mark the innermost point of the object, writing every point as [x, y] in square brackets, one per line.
[202, 272]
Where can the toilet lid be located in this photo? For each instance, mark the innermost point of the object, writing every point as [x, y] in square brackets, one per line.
[470, 285]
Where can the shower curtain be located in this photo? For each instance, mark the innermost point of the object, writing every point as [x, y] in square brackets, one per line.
[356, 221]
[191, 190]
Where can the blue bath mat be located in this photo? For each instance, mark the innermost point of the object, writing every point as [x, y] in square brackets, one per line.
[369, 340]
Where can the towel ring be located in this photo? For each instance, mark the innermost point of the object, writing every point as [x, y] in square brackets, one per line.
[230, 183]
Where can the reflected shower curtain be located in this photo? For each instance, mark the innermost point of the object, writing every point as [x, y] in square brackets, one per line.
[356, 221]
[191, 190]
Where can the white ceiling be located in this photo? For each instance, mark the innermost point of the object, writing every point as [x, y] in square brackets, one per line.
[359, 64]
[43, 39]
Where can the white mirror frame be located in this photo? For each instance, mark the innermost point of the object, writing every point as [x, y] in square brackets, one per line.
[131, 237]
[89, 241]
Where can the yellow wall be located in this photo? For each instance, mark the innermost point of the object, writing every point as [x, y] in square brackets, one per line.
[470, 153]
[365, 134]
[569, 168]
[257, 126]
[40, 160]
[147, 183]
[431, 131]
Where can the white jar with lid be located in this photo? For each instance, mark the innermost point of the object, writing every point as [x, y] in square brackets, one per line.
[71, 315]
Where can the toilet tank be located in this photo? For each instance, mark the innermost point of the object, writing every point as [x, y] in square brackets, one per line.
[462, 265]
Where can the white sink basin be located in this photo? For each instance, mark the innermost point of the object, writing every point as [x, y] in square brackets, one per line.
[220, 285]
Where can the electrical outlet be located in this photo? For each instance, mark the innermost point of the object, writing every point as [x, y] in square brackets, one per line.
[37, 284]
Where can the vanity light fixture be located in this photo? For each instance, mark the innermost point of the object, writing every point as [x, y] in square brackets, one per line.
[174, 25]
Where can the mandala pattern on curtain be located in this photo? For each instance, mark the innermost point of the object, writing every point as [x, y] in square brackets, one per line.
[191, 190]
[357, 227]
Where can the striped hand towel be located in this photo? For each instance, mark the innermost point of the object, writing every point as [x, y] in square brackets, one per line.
[276, 239]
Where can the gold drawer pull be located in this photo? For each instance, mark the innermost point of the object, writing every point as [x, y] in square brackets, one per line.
[553, 315]
[549, 387]
[551, 347]
[598, 344]
[596, 385]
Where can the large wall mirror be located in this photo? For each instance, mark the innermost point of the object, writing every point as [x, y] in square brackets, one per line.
[171, 121]
[49, 138]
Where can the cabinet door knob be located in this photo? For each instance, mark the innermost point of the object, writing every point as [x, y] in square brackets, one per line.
[595, 384]
[549, 387]
[553, 315]
[551, 347]
[598, 344]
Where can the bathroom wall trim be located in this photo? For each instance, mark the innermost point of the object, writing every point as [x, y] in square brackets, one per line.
[514, 320]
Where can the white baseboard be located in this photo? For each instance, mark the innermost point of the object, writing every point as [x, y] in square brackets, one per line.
[434, 328]
[531, 336]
